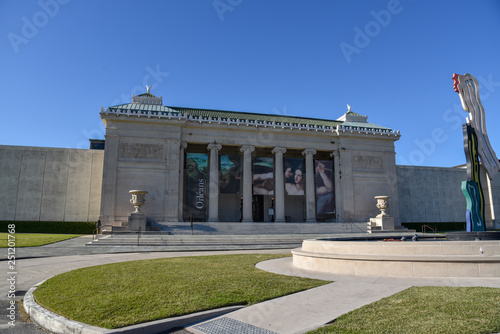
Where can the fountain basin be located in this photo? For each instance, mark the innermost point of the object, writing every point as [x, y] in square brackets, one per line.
[400, 259]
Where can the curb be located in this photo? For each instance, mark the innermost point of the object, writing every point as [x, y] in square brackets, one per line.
[58, 324]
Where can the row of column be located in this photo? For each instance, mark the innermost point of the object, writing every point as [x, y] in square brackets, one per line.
[213, 189]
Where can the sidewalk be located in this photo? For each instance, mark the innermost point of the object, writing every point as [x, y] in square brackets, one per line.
[295, 313]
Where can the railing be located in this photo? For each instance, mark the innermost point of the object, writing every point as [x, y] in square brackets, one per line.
[433, 229]
[94, 234]
[138, 235]
[344, 221]
[103, 228]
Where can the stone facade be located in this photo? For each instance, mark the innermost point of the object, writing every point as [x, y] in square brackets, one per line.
[147, 145]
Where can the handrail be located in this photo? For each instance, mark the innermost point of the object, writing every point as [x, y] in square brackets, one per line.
[95, 234]
[429, 227]
[138, 235]
[110, 228]
[351, 224]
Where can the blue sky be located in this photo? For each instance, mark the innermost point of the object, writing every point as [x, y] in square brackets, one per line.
[391, 60]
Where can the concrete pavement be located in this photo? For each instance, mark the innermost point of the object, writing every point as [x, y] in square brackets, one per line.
[295, 313]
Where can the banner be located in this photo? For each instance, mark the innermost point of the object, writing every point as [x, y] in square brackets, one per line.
[230, 174]
[263, 176]
[325, 198]
[295, 177]
[196, 185]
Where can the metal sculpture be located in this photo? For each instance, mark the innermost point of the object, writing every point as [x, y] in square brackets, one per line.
[476, 146]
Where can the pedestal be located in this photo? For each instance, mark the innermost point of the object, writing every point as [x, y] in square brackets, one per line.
[137, 220]
[385, 222]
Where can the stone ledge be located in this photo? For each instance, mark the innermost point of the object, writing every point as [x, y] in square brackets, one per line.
[400, 258]
[59, 324]
[375, 259]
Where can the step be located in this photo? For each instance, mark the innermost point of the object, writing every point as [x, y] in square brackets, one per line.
[223, 228]
[213, 241]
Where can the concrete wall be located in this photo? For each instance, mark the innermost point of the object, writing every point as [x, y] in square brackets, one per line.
[50, 184]
[433, 194]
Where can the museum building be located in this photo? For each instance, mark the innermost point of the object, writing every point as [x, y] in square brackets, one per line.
[213, 165]
[204, 165]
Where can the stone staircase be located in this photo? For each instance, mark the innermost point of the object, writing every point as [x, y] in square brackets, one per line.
[223, 228]
[203, 242]
[178, 236]
[372, 227]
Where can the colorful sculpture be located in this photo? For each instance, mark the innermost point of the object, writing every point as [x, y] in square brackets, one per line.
[476, 146]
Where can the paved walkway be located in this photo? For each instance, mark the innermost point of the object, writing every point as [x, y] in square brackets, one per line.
[296, 313]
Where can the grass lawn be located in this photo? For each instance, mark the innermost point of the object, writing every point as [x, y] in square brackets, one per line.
[425, 310]
[32, 239]
[123, 294]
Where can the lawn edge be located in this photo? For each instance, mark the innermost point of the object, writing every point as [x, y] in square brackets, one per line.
[58, 324]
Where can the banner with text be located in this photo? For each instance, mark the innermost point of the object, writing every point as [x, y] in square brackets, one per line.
[196, 185]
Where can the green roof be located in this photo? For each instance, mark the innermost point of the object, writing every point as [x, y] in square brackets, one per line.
[354, 114]
[236, 116]
[148, 95]
[143, 107]
[364, 125]
[224, 114]
[255, 116]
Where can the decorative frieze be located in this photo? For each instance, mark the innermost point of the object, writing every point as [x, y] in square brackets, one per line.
[367, 162]
[140, 151]
[347, 129]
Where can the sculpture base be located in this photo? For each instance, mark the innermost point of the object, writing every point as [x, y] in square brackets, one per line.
[136, 221]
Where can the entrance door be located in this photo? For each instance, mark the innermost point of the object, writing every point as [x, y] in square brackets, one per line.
[258, 208]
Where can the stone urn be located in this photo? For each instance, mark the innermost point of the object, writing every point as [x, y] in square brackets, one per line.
[138, 199]
[382, 204]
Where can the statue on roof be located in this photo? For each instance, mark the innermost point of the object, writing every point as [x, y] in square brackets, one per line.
[148, 88]
[348, 108]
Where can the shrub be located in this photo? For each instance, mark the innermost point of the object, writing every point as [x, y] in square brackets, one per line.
[50, 227]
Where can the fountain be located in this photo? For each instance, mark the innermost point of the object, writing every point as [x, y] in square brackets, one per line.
[401, 258]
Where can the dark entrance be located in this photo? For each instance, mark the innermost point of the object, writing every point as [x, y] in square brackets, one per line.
[258, 208]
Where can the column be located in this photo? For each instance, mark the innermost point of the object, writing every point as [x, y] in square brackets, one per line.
[339, 196]
[109, 179]
[247, 182]
[310, 191]
[279, 184]
[213, 185]
[183, 147]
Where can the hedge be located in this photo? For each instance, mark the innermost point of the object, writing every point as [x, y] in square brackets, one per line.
[50, 227]
[439, 227]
